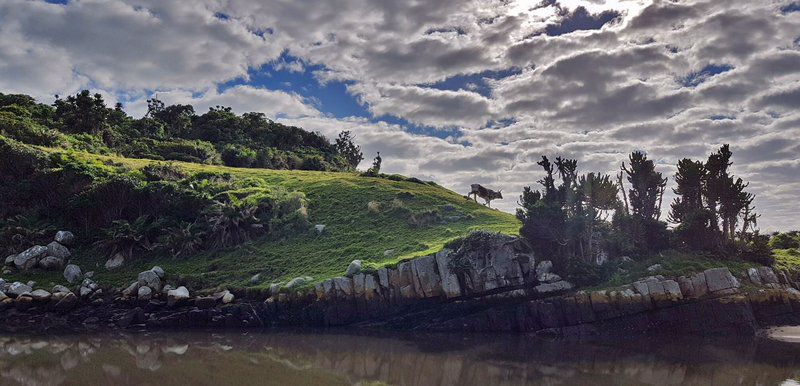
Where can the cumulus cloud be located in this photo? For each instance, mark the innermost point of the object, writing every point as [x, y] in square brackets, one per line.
[593, 79]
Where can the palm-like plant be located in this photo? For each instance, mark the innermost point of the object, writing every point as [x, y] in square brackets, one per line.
[127, 238]
[184, 239]
[232, 223]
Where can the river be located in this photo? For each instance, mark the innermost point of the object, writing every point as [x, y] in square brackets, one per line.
[342, 357]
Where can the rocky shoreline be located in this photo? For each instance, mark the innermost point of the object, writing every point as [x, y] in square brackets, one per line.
[497, 286]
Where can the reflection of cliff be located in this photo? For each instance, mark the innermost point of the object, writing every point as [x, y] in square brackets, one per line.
[435, 359]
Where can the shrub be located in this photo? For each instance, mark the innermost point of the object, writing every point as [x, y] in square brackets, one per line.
[127, 238]
[184, 239]
[313, 162]
[238, 156]
[163, 172]
[231, 223]
[26, 130]
[787, 240]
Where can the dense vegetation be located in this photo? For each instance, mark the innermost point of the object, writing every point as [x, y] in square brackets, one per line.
[582, 223]
[175, 132]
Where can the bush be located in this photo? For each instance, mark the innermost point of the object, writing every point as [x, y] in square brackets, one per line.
[163, 172]
[238, 156]
[26, 130]
[175, 150]
[584, 274]
[313, 162]
[787, 240]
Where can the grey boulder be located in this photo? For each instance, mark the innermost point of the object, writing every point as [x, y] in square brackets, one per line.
[58, 250]
[16, 288]
[72, 273]
[51, 263]
[115, 262]
[144, 293]
[177, 296]
[28, 259]
[151, 279]
[65, 237]
[353, 268]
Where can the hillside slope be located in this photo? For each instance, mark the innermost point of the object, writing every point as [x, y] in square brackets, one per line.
[360, 218]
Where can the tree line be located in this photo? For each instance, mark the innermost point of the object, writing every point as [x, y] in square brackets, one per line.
[585, 219]
[173, 132]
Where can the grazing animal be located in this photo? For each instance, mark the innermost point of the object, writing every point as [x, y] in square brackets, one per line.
[476, 190]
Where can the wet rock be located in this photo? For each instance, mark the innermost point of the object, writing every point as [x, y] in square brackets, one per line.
[58, 250]
[30, 257]
[177, 296]
[151, 279]
[353, 268]
[64, 237]
[144, 294]
[115, 262]
[72, 273]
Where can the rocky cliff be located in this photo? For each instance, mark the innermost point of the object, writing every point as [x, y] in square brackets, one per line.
[489, 282]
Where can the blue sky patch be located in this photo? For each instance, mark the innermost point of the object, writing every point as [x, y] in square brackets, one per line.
[792, 7]
[476, 82]
[696, 78]
[580, 20]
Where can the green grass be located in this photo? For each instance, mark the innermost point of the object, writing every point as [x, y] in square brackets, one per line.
[788, 260]
[338, 200]
[674, 263]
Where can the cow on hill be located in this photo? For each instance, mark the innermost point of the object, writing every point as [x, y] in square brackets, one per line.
[476, 190]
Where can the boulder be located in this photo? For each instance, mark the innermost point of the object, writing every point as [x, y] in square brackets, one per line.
[298, 281]
[255, 279]
[58, 288]
[115, 262]
[51, 263]
[64, 237]
[58, 250]
[3, 296]
[227, 297]
[353, 268]
[72, 273]
[752, 274]
[177, 296]
[28, 259]
[159, 271]
[672, 289]
[274, 289]
[68, 302]
[131, 289]
[16, 289]
[699, 285]
[10, 259]
[151, 279]
[720, 279]
[41, 295]
[85, 291]
[144, 294]
[319, 228]
[767, 275]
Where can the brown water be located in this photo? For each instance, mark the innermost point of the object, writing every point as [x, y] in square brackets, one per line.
[338, 358]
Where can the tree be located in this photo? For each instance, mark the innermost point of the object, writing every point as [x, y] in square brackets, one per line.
[695, 222]
[562, 221]
[82, 113]
[346, 146]
[647, 186]
[176, 118]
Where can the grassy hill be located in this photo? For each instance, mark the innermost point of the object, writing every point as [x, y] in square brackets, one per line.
[360, 218]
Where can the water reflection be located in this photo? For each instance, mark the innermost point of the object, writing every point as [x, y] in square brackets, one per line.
[321, 358]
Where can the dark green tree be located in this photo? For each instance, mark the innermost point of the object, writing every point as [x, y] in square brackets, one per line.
[82, 113]
[647, 186]
[346, 146]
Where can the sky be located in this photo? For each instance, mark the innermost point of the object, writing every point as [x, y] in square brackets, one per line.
[454, 91]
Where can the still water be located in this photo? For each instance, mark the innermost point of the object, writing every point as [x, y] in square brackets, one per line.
[345, 357]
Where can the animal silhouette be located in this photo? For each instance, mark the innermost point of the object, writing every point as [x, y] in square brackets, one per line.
[477, 190]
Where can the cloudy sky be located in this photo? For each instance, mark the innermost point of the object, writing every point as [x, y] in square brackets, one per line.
[455, 91]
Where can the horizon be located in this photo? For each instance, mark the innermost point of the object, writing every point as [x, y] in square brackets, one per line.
[455, 92]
